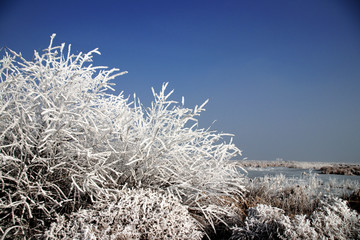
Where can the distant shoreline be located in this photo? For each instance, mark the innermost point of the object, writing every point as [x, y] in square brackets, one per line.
[323, 167]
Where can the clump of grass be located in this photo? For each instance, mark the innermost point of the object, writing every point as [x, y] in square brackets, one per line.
[294, 196]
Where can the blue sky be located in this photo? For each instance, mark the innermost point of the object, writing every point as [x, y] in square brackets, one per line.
[283, 76]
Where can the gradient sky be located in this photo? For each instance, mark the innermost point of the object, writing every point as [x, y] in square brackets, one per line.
[283, 76]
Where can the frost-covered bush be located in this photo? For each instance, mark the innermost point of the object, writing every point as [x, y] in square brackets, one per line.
[65, 142]
[331, 220]
[262, 222]
[266, 222]
[136, 214]
[300, 228]
[335, 220]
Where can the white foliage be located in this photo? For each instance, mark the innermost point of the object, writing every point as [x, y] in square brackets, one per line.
[332, 220]
[335, 220]
[300, 228]
[266, 222]
[65, 142]
[136, 214]
[262, 222]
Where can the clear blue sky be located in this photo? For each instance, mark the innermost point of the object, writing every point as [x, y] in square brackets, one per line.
[283, 76]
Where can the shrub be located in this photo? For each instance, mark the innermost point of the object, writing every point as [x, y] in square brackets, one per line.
[266, 222]
[136, 214]
[335, 220]
[331, 220]
[65, 143]
[262, 222]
